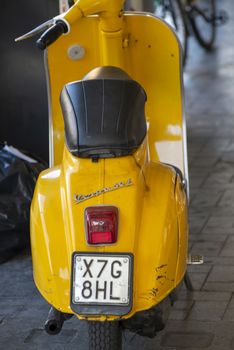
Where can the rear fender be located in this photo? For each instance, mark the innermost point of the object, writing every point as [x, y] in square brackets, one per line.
[153, 226]
[160, 259]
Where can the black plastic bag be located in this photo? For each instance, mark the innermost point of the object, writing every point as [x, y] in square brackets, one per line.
[17, 181]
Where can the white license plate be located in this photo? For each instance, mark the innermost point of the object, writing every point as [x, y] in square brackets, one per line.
[101, 279]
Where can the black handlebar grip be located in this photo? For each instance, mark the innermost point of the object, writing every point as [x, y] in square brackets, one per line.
[51, 35]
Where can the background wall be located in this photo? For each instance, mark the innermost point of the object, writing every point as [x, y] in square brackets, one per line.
[142, 5]
[23, 97]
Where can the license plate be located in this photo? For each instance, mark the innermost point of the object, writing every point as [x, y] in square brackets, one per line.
[101, 279]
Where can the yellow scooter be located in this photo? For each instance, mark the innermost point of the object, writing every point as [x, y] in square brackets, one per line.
[109, 218]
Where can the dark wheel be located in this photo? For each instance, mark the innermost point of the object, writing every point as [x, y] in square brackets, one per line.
[202, 14]
[105, 335]
[173, 13]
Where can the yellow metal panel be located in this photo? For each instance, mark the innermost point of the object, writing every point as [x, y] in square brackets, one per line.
[153, 217]
[149, 224]
[148, 50]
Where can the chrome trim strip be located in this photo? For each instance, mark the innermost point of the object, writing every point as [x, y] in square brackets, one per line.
[50, 119]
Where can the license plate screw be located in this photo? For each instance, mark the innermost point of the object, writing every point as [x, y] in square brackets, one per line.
[125, 260]
[77, 298]
[78, 259]
[124, 300]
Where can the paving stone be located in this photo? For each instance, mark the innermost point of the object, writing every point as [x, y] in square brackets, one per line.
[228, 156]
[11, 301]
[228, 199]
[39, 337]
[181, 309]
[219, 186]
[205, 162]
[178, 314]
[222, 331]
[218, 143]
[206, 199]
[219, 232]
[198, 280]
[221, 222]
[220, 260]
[222, 274]
[9, 309]
[183, 305]
[220, 211]
[132, 341]
[232, 343]
[223, 168]
[203, 268]
[229, 315]
[228, 249]
[205, 296]
[231, 302]
[199, 211]
[208, 310]
[220, 278]
[230, 146]
[24, 289]
[196, 223]
[220, 179]
[223, 336]
[187, 340]
[207, 248]
[218, 286]
[196, 181]
[208, 237]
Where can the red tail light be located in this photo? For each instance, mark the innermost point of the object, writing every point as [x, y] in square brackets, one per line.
[101, 224]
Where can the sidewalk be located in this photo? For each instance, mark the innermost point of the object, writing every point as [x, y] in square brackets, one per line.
[200, 320]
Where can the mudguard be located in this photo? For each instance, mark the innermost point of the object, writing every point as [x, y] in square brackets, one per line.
[152, 224]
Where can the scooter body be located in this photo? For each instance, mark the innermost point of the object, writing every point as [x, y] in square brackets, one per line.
[148, 187]
[152, 227]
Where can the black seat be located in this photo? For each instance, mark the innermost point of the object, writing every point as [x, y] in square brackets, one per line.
[104, 114]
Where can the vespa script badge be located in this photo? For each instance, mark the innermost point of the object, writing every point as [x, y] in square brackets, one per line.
[81, 197]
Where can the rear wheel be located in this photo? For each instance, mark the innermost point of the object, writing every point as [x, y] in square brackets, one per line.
[104, 335]
[203, 20]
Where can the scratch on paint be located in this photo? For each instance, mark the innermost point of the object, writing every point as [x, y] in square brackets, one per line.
[151, 294]
[162, 277]
[154, 292]
[160, 267]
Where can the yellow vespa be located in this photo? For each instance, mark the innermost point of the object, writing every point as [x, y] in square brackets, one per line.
[109, 217]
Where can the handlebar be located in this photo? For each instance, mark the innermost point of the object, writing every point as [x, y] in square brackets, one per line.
[52, 34]
[81, 8]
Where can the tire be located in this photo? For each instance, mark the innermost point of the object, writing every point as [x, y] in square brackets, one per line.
[173, 13]
[104, 335]
[204, 30]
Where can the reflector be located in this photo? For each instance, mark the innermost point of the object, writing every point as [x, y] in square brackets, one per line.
[101, 224]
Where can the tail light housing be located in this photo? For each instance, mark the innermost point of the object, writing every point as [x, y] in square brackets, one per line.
[101, 224]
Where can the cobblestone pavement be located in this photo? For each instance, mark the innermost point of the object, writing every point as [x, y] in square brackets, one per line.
[200, 320]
